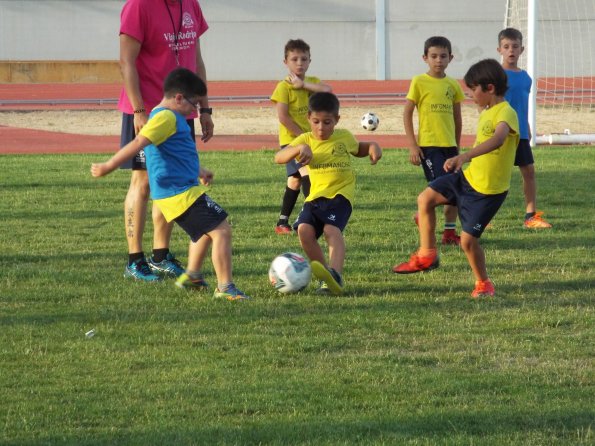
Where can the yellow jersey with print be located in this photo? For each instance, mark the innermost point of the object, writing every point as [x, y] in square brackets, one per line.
[435, 99]
[490, 173]
[331, 171]
[297, 102]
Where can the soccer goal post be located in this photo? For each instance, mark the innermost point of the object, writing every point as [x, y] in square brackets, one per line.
[559, 40]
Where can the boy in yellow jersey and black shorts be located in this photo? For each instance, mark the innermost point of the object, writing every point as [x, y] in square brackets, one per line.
[481, 188]
[437, 98]
[291, 102]
[327, 153]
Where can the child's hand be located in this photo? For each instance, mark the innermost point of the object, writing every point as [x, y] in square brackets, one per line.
[455, 163]
[375, 153]
[100, 169]
[305, 155]
[205, 176]
[294, 80]
[415, 155]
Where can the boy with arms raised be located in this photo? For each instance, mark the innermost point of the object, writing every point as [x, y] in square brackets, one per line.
[291, 102]
[438, 100]
[173, 168]
[481, 188]
[326, 152]
[510, 47]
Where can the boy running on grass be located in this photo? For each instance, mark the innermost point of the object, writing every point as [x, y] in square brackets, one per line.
[481, 188]
[174, 169]
[326, 152]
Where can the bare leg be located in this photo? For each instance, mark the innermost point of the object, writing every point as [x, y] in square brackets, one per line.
[197, 252]
[529, 187]
[450, 212]
[221, 252]
[161, 229]
[475, 256]
[427, 202]
[135, 210]
[336, 247]
[310, 245]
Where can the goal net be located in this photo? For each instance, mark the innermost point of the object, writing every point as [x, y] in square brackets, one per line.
[559, 40]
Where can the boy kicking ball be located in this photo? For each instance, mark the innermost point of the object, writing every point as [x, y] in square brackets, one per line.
[481, 188]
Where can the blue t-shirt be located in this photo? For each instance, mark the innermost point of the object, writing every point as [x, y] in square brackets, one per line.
[517, 95]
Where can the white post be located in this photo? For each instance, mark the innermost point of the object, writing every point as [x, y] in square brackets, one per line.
[380, 40]
[531, 42]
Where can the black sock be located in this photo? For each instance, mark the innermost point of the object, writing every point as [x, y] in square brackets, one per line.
[289, 198]
[306, 185]
[528, 215]
[160, 254]
[133, 257]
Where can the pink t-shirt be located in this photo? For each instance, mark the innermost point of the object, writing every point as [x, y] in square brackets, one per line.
[149, 22]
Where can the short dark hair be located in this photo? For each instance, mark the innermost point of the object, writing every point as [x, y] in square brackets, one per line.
[296, 45]
[439, 42]
[510, 33]
[324, 102]
[184, 81]
[487, 71]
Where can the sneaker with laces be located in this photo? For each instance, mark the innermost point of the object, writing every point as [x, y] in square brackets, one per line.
[168, 267]
[332, 279]
[450, 237]
[483, 288]
[417, 264]
[184, 281]
[231, 293]
[283, 229]
[322, 288]
[536, 222]
[140, 270]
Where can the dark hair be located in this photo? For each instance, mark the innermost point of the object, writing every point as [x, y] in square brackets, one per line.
[324, 102]
[510, 33]
[184, 81]
[439, 42]
[487, 71]
[296, 45]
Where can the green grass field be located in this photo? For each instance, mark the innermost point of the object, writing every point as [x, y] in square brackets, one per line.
[397, 360]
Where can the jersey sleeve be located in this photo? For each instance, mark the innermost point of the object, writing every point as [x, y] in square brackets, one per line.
[413, 93]
[281, 93]
[131, 20]
[160, 127]
[459, 95]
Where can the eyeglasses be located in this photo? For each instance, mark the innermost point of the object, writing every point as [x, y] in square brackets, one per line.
[194, 104]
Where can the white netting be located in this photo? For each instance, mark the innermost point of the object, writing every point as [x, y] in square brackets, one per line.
[564, 66]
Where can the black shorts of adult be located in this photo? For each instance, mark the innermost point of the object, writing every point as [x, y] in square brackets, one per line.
[475, 209]
[292, 167]
[127, 134]
[201, 217]
[434, 158]
[325, 211]
[524, 155]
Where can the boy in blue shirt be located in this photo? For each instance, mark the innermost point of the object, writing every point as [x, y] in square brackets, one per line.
[510, 47]
[174, 169]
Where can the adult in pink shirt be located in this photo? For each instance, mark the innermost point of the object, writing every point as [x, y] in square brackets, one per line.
[156, 36]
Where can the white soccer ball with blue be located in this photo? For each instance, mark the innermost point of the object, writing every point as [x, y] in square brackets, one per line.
[370, 121]
[290, 273]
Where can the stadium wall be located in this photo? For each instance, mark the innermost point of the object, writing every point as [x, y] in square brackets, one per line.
[77, 40]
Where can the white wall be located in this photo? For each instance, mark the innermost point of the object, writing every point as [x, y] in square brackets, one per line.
[246, 37]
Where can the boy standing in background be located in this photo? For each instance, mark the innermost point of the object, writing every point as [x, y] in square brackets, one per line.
[291, 101]
[510, 47]
[438, 100]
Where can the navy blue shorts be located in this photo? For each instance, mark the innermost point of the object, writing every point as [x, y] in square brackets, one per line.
[202, 217]
[292, 167]
[325, 211]
[434, 158]
[476, 210]
[524, 155]
[127, 134]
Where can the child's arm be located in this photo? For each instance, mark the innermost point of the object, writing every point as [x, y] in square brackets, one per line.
[205, 176]
[458, 116]
[415, 153]
[301, 152]
[298, 83]
[454, 164]
[370, 149]
[124, 154]
[285, 119]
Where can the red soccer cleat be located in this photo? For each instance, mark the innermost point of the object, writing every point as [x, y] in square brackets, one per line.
[450, 237]
[417, 264]
[483, 288]
[283, 229]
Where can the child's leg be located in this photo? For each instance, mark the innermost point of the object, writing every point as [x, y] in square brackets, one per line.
[292, 192]
[161, 229]
[307, 235]
[336, 247]
[529, 187]
[475, 256]
[197, 253]
[221, 252]
[427, 202]
[135, 210]
[305, 181]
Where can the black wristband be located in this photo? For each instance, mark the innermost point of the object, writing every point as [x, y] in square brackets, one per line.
[139, 110]
[207, 110]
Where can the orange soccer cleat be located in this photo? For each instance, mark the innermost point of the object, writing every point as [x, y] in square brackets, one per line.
[417, 264]
[536, 222]
[483, 288]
